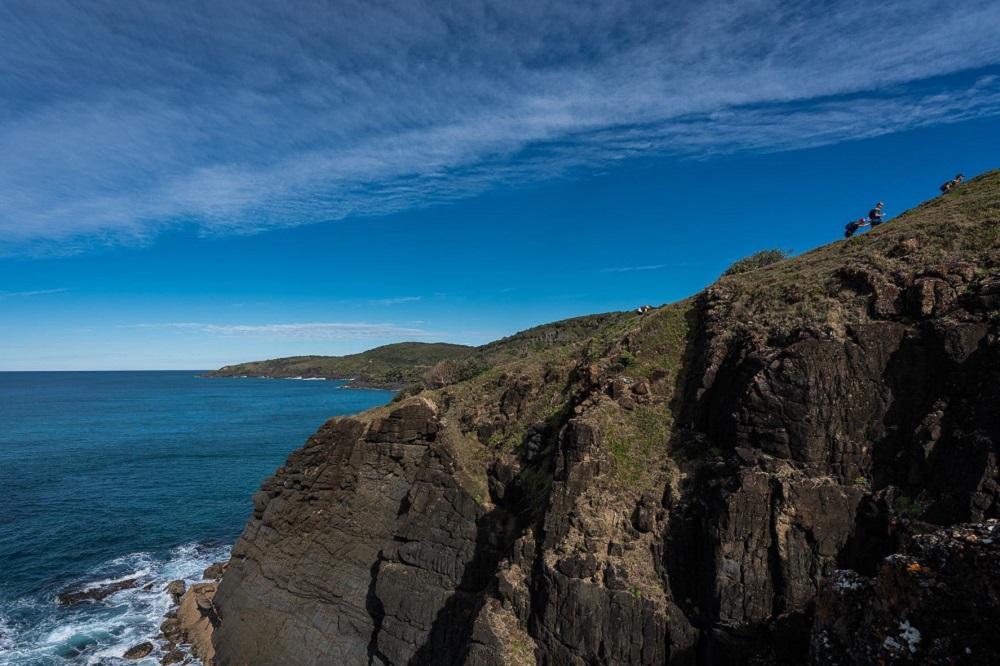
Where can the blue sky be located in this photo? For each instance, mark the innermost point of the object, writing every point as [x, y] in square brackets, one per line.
[192, 184]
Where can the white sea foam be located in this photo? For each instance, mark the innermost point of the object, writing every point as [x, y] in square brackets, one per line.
[6, 634]
[40, 632]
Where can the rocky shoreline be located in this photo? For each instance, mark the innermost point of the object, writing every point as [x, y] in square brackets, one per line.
[186, 631]
[351, 383]
[858, 618]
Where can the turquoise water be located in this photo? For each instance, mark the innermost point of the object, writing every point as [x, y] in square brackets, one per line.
[110, 476]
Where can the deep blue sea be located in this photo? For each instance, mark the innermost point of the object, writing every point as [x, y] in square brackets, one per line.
[110, 476]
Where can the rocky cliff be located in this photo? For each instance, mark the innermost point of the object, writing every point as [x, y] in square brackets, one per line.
[679, 488]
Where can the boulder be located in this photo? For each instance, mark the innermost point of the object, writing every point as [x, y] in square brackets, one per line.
[138, 651]
[171, 630]
[931, 296]
[175, 589]
[198, 619]
[215, 571]
[174, 657]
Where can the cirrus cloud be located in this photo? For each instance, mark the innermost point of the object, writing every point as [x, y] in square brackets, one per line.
[120, 121]
[304, 331]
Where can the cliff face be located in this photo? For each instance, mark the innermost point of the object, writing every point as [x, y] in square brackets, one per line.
[818, 420]
[364, 537]
[680, 489]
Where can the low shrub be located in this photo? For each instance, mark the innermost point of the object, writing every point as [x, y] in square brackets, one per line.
[757, 260]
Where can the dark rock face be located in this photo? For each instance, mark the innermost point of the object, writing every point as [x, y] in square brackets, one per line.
[832, 448]
[934, 603]
[573, 615]
[367, 534]
[816, 418]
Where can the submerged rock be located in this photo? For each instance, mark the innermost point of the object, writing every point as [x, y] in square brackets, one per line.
[96, 593]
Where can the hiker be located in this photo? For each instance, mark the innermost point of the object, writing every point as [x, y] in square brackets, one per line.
[951, 184]
[854, 226]
[875, 215]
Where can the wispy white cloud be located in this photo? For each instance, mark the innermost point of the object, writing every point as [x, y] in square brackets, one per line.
[564, 297]
[306, 331]
[37, 292]
[397, 300]
[116, 123]
[629, 269]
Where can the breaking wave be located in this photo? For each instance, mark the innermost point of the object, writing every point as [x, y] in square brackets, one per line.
[40, 631]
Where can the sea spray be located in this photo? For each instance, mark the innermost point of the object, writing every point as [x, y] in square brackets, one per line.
[38, 630]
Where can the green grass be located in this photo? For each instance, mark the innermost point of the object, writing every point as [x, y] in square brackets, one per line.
[637, 442]
[963, 225]
[907, 507]
[431, 365]
[391, 364]
[657, 347]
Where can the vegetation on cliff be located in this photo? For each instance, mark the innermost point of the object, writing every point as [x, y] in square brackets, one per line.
[863, 278]
[676, 486]
[394, 364]
[424, 364]
[757, 260]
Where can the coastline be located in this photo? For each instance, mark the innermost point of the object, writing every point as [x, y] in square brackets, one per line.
[372, 386]
[112, 574]
[350, 382]
[187, 627]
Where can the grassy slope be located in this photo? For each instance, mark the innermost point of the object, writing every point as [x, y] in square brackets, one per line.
[391, 364]
[556, 334]
[572, 370]
[411, 362]
[962, 226]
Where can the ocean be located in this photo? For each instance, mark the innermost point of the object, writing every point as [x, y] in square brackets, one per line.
[114, 476]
